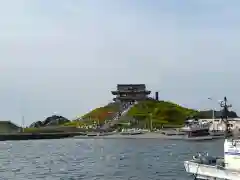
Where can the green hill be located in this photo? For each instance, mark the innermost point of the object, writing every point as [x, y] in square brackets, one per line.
[142, 114]
[101, 114]
[160, 113]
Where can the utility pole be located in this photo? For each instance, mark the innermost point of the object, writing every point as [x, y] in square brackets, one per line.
[225, 112]
[23, 123]
[213, 111]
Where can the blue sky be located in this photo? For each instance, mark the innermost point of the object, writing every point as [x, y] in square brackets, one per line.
[66, 56]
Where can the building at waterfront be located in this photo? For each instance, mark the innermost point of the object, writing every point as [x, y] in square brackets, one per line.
[9, 127]
[130, 92]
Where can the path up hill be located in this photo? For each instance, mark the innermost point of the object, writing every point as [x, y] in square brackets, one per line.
[160, 111]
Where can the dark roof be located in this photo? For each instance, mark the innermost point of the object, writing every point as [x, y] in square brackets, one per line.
[143, 85]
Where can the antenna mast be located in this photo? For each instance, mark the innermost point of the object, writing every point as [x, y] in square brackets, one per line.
[23, 123]
[224, 116]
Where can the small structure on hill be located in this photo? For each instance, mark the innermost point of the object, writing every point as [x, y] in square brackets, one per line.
[130, 92]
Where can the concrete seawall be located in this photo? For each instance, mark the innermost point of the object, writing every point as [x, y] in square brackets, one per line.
[149, 136]
[35, 136]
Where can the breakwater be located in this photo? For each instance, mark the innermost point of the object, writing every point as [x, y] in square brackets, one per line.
[149, 135]
[35, 136]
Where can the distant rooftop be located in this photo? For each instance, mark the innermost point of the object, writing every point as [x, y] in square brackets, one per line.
[142, 86]
[131, 92]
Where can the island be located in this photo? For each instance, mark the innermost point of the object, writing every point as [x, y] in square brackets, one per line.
[132, 107]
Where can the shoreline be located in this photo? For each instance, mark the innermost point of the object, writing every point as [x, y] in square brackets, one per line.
[150, 135]
[36, 136]
[71, 135]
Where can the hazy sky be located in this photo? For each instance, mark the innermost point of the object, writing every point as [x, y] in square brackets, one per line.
[66, 56]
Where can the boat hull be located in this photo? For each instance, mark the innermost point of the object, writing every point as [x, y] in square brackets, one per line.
[209, 172]
[216, 133]
[131, 133]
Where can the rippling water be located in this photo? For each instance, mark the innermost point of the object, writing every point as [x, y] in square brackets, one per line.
[129, 159]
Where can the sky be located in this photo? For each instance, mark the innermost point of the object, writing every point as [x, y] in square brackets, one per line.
[64, 57]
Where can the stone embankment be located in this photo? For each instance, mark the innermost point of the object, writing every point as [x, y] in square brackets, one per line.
[150, 135]
[35, 136]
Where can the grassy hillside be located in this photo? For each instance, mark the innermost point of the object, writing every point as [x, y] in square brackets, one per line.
[160, 112]
[100, 114]
[142, 114]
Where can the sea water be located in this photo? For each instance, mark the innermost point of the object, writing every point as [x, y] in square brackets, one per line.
[100, 159]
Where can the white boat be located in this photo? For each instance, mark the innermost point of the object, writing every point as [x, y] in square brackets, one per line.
[217, 128]
[132, 132]
[216, 133]
[204, 166]
[195, 125]
[195, 128]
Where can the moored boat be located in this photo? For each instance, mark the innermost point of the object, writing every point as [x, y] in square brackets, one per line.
[217, 128]
[208, 167]
[195, 128]
[132, 132]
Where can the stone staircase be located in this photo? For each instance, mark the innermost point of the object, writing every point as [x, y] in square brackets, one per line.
[125, 107]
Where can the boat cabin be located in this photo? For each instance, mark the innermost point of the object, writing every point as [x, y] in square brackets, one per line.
[194, 128]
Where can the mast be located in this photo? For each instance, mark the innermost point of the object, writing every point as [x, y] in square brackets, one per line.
[23, 123]
[224, 116]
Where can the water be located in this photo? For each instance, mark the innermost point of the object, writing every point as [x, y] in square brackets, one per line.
[74, 159]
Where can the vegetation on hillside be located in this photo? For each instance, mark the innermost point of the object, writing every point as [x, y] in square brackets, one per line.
[158, 113]
[101, 114]
[149, 114]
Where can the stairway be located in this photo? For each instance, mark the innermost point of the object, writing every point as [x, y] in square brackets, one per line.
[123, 111]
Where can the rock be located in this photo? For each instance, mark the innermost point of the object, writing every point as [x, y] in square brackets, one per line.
[50, 121]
